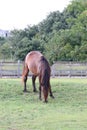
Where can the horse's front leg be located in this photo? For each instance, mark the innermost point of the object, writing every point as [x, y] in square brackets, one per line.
[25, 80]
[40, 92]
[33, 83]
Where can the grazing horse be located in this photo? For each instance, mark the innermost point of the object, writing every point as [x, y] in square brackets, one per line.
[39, 66]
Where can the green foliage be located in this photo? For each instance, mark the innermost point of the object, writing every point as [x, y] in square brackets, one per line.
[2, 40]
[61, 36]
[70, 44]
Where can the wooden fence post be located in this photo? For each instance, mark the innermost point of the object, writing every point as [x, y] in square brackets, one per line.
[18, 69]
[1, 69]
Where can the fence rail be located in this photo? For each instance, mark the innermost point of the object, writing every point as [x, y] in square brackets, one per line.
[11, 69]
[69, 69]
[14, 69]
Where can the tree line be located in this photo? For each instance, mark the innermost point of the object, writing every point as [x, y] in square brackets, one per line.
[61, 36]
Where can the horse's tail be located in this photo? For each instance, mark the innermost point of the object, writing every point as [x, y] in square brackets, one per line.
[45, 80]
[45, 85]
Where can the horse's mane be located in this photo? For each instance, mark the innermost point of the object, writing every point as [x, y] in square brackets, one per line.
[45, 72]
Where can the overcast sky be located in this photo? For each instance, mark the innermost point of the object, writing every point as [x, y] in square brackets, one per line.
[17, 14]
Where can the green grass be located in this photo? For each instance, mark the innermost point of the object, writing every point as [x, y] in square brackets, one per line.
[68, 111]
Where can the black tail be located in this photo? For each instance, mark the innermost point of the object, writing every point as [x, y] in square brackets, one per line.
[45, 72]
[45, 77]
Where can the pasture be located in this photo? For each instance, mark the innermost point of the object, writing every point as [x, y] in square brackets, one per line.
[68, 111]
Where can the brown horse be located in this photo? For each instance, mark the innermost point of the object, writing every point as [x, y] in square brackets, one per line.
[39, 66]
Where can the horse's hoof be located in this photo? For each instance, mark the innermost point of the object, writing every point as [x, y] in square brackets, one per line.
[35, 91]
[46, 101]
[52, 96]
[25, 91]
[40, 99]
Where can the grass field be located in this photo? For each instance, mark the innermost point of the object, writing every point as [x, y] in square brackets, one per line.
[68, 111]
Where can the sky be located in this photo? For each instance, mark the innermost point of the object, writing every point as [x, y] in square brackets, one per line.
[18, 14]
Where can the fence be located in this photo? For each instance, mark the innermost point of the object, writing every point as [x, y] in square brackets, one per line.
[69, 69]
[11, 69]
[14, 69]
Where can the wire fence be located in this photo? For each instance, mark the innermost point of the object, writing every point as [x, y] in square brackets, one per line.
[59, 69]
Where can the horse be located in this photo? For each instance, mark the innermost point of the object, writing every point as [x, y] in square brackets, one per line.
[39, 66]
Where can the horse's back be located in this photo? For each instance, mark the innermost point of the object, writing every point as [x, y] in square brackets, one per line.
[33, 56]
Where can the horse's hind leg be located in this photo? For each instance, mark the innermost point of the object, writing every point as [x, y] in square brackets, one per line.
[40, 88]
[33, 83]
[24, 77]
[51, 94]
